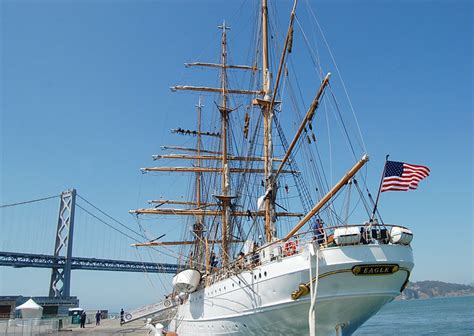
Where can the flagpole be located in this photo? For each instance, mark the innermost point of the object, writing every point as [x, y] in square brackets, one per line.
[380, 187]
[373, 203]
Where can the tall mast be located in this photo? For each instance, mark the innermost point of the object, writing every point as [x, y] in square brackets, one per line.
[198, 227]
[199, 107]
[267, 126]
[265, 66]
[224, 110]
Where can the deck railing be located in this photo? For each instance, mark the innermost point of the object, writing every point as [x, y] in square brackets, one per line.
[280, 249]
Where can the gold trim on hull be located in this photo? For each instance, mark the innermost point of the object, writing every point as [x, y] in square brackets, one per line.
[304, 289]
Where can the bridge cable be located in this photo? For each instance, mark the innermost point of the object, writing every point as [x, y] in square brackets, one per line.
[111, 226]
[126, 235]
[107, 215]
[27, 202]
[139, 234]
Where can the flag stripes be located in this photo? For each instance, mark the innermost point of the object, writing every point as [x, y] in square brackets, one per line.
[401, 176]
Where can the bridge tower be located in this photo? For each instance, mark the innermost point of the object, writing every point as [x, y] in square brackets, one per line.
[60, 285]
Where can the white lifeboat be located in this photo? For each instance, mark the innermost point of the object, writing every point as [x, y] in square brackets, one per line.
[399, 235]
[186, 281]
[347, 235]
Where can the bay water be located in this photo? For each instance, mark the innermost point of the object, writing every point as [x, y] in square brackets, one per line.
[436, 316]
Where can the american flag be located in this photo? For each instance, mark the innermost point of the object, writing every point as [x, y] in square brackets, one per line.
[401, 176]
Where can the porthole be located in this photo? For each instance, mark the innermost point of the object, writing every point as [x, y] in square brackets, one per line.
[260, 275]
[265, 273]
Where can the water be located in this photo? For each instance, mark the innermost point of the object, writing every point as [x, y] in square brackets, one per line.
[439, 316]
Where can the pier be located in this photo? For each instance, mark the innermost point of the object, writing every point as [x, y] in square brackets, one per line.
[106, 327]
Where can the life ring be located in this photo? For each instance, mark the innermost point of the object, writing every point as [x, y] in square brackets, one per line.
[290, 248]
[286, 249]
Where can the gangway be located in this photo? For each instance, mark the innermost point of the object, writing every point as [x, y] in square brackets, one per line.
[162, 311]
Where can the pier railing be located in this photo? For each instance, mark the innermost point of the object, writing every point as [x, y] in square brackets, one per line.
[30, 327]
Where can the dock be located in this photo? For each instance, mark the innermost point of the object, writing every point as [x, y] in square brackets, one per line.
[51, 327]
[107, 327]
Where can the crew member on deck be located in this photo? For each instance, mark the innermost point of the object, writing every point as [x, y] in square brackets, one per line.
[240, 260]
[318, 231]
[255, 255]
[213, 260]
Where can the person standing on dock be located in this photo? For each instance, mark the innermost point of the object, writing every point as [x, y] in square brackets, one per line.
[121, 316]
[83, 319]
[98, 315]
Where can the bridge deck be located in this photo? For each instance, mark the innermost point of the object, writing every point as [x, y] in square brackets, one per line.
[16, 259]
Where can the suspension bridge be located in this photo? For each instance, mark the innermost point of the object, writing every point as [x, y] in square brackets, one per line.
[31, 249]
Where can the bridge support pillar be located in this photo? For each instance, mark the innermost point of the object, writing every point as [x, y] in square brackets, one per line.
[61, 277]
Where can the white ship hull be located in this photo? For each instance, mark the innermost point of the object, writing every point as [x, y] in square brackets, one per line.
[259, 301]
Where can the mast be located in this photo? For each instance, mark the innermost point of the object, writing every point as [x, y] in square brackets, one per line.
[225, 167]
[198, 227]
[265, 66]
[267, 126]
[199, 107]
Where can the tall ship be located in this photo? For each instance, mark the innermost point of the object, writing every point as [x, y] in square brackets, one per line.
[268, 245]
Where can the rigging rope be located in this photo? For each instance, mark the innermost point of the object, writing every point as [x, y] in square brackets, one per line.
[364, 201]
[339, 75]
[337, 111]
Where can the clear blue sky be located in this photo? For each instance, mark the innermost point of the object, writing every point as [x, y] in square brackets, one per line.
[85, 103]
